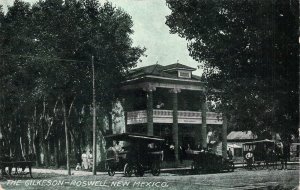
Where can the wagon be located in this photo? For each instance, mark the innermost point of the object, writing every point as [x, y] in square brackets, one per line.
[261, 154]
[139, 154]
[204, 161]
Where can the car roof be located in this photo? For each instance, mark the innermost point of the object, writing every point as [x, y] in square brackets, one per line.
[134, 137]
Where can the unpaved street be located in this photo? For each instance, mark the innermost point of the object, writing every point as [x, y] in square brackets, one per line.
[240, 179]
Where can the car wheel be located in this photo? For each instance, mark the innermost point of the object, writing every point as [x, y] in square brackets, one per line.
[232, 167]
[128, 170]
[111, 172]
[155, 169]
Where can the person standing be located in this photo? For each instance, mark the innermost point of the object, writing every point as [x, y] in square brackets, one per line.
[78, 159]
[188, 147]
[172, 151]
[90, 160]
[249, 159]
[116, 146]
[229, 154]
[199, 147]
[286, 155]
[84, 159]
[181, 154]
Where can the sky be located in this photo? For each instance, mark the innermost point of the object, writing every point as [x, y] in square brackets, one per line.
[150, 31]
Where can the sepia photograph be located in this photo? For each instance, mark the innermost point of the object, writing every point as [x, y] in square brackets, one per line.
[149, 94]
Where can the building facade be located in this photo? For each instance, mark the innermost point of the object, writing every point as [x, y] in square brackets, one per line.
[170, 102]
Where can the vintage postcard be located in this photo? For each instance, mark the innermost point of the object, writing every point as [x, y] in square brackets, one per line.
[149, 94]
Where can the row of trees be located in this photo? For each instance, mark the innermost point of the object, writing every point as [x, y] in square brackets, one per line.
[46, 73]
[249, 50]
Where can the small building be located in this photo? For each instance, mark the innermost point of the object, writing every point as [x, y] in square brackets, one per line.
[236, 139]
[168, 101]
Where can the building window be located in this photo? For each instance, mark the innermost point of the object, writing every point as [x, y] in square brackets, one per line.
[184, 74]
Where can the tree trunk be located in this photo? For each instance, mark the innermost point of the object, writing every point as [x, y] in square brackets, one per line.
[42, 136]
[67, 139]
[101, 148]
[30, 139]
[1, 140]
[46, 151]
[60, 151]
[37, 150]
[56, 155]
[22, 147]
[110, 119]
[56, 149]
[35, 139]
[110, 123]
[42, 145]
[224, 136]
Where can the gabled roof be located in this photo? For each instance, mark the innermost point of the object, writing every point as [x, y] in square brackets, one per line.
[241, 135]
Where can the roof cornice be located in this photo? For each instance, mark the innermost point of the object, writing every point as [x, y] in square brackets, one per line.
[179, 68]
[164, 78]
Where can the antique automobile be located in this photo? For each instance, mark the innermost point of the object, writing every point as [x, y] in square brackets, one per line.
[139, 153]
[260, 154]
[206, 161]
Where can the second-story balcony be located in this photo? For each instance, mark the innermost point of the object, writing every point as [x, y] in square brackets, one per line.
[166, 116]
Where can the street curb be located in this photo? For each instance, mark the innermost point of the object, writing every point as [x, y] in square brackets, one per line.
[164, 170]
[236, 165]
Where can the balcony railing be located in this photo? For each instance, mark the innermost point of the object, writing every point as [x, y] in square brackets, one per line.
[166, 116]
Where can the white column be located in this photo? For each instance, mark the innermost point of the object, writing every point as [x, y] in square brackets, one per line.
[175, 133]
[149, 89]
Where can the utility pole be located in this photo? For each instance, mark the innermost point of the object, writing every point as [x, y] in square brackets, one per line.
[94, 121]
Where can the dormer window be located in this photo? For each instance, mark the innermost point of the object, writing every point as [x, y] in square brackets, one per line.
[178, 70]
[184, 74]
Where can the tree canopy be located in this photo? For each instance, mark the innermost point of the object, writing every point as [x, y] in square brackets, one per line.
[45, 52]
[249, 50]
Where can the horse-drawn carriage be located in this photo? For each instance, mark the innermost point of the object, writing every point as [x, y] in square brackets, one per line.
[261, 154]
[140, 153]
[205, 161]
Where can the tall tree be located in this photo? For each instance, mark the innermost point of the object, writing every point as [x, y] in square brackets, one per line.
[46, 54]
[16, 78]
[249, 50]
